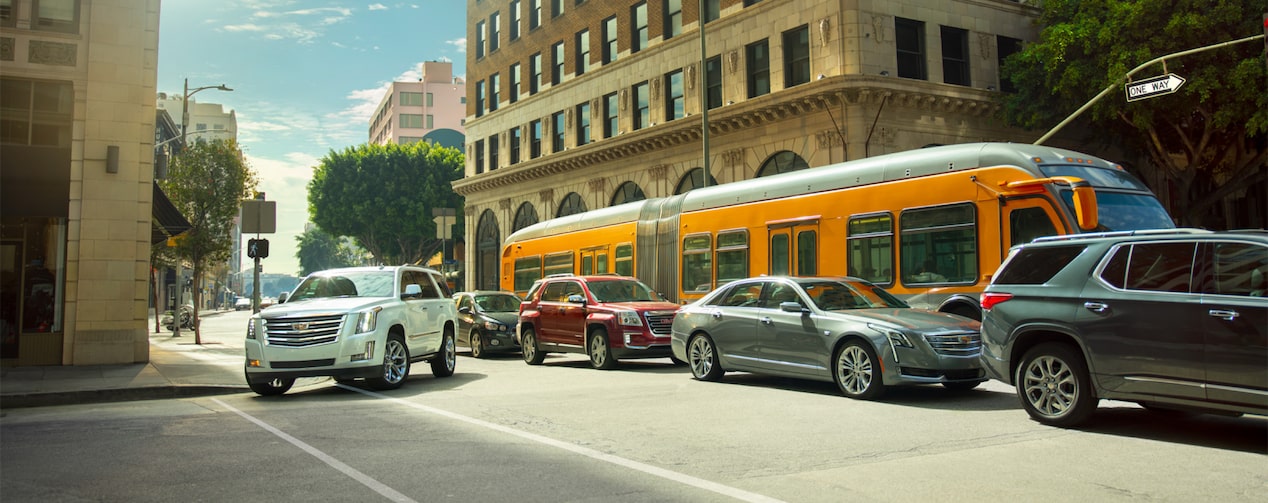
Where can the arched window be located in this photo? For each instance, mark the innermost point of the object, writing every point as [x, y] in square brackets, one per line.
[782, 162]
[626, 193]
[693, 179]
[572, 204]
[524, 217]
[488, 244]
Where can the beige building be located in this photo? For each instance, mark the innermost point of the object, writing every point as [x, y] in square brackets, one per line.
[591, 105]
[77, 87]
[432, 109]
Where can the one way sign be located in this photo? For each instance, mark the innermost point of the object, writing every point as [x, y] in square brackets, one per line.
[1156, 86]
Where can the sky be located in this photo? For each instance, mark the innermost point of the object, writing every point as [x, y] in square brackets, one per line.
[306, 77]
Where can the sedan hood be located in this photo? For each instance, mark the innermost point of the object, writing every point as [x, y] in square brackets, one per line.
[508, 319]
[330, 305]
[921, 320]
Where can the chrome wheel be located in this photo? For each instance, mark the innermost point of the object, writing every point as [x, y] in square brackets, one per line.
[703, 359]
[1054, 386]
[856, 371]
[600, 352]
[477, 344]
[395, 364]
[528, 347]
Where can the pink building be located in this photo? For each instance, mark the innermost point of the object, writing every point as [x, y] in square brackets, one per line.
[432, 109]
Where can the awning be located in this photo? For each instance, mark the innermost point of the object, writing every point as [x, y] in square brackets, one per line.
[168, 221]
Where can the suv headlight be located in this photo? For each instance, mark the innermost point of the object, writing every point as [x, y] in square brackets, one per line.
[896, 337]
[629, 318]
[251, 328]
[367, 320]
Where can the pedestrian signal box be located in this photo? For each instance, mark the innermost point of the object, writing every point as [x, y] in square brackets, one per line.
[258, 248]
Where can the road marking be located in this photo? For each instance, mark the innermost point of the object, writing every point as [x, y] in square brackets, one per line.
[364, 479]
[681, 478]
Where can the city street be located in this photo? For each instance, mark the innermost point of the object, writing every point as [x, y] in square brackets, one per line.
[500, 430]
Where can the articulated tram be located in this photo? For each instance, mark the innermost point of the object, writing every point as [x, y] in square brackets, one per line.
[930, 225]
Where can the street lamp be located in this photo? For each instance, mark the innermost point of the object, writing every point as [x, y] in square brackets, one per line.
[185, 106]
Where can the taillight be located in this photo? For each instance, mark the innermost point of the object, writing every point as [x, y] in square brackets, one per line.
[990, 299]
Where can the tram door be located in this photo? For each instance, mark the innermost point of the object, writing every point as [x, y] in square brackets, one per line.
[594, 260]
[794, 249]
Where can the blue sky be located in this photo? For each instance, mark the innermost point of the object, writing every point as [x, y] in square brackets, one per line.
[306, 76]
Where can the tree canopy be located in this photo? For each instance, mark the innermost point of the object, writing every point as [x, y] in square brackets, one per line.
[383, 196]
[318, 251]
[1208, 139]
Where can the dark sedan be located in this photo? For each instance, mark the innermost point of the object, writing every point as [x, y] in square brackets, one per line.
[486, 321]
[841, 330]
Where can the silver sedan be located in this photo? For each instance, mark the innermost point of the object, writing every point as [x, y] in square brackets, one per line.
[842, 330]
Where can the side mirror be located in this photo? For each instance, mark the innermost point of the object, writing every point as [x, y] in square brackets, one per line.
[1085, 206]
[412, 291]
[792, 307]
[465, 310]
[577, 299]
[281, 297]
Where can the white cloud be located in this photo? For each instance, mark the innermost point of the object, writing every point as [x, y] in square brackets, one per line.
[460, 43]
[378, 6]
[245, 27]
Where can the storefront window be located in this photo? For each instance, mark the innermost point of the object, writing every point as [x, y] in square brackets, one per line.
[32, 254]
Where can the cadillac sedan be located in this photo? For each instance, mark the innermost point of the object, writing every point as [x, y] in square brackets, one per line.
[842, 330]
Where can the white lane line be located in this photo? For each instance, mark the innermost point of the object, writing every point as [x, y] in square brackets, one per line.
[364, 479]
[681, 478]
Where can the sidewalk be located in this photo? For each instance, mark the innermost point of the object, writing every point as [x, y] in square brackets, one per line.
[177, 368]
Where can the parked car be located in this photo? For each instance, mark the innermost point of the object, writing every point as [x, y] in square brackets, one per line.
[486, 321]
[1169, 319]
[605, 317]
[840, 330]
[360, 322]
[242, 303]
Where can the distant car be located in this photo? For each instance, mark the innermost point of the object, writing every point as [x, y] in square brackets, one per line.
[267, 302]
[242, 303]
[486, 321]
[841, 330]
[1171, 319]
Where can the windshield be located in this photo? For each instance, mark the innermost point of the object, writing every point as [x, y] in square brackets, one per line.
[622, 290]
[839, 295]
[498, 303]
[1116, 211]
[346, 284]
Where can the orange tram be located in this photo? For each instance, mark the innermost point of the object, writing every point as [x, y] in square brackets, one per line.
[929, 225]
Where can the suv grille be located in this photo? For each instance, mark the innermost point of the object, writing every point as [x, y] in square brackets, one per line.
[304, 331]
[660, 321]
[962, 344]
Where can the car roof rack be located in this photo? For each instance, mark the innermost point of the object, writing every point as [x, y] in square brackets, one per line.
[1113, 234]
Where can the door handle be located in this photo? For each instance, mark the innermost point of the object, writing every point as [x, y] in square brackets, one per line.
[1224, 314]
[1096, 307]
[765, 320]
[716, 315]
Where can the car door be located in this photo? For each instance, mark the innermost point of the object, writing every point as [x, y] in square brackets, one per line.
[465, 319]
[789, 342]
[733, 324]
[424, 311]
[1235, 320]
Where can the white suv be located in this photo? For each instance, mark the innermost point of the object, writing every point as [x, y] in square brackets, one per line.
[360, 322]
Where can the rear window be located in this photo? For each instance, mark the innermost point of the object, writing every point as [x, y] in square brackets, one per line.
[1037, 265]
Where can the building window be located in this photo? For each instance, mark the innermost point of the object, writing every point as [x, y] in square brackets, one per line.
[479, 39]
[751, 2]
[1007, 46]
[712, 10]
[406, 140]
[638, 27]
[583, 123]
[535, 139]
[910, 37]
[582, 51]
[495, 84]
[609, 40]
[8, 17]
[610, 125]
[406, 98]
[513, 138]
[55, 15]
[955, 56]
[556, 8]
[534, 14]
[673, 96]
[757, 59]
[515, 82]
[557, 63]
[642, 114]
[673, 18]
[557, 130]
[495, 29]
[628, 192]
[39, 113]
[514, 28]
[797, 56]
[479, 104]
[713, 81]
[431, 121]
[479, 156]
[429, 99]
[493, 152]
[534, 73]
[412, 121]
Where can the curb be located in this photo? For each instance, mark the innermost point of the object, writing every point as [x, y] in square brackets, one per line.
[22, 400]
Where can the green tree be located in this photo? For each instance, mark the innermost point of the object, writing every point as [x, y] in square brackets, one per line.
[383, 196]
[318, 251]
[1208, 140]
[207, 183]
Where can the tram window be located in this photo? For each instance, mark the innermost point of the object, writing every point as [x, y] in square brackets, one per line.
[779, 254]
[697, 266]
[587, 265]
[625, 259]
[939, 245]
[1028, 224]
[807, 263]
[559, 263]
[732, 256]
[871, 248]
[601, 263]
[527, 270]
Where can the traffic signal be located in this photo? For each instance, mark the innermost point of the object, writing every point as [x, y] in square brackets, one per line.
[258, 248]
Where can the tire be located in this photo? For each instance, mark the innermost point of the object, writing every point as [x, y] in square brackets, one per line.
[1053, 385]
[477, 344]
[395, 364]
[600, 350]
[857, 371]
[274, 387]
[533, 355]
[443, 364]
[702, 357]
[961, 385]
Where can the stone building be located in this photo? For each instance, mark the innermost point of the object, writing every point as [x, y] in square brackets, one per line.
[580, 105]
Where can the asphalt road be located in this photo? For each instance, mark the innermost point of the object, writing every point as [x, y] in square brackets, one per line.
[500, 430]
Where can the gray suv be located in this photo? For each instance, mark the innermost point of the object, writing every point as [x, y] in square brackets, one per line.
[1171, 319]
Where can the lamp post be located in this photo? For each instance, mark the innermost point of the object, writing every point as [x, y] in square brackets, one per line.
[180, 283]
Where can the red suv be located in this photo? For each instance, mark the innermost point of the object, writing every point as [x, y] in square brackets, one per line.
[606, 317]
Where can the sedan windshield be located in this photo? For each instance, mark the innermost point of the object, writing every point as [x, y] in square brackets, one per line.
[831, 295]
[346, 284]
[498, 303]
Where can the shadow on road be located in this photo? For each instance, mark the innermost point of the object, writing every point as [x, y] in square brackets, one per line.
[1245, 434]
